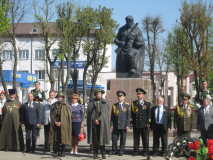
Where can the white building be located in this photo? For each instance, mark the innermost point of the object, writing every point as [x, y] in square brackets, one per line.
[31, 57]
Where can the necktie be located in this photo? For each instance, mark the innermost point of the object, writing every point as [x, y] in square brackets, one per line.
[158, 118]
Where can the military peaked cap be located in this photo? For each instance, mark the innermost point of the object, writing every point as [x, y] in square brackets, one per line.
[140, 90]
[185, 96]
[121, 93]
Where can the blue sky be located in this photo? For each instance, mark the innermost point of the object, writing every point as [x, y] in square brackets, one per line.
[168, 9]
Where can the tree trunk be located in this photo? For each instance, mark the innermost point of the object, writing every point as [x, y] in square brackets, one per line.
[93, 85]
[74, 77]
[3, 81]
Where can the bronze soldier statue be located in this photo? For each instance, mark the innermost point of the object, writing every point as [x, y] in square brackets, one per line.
[130, 51]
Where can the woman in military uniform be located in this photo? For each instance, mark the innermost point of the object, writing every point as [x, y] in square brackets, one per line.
[60, 125]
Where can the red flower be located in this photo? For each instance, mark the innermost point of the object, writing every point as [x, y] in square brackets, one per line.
[191, 158]
[197, 143]
[196, 148]
[191, 145]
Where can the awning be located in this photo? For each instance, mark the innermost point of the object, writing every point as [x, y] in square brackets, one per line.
[24, 78]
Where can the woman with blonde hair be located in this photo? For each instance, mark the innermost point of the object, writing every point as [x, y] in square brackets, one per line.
[77, 121]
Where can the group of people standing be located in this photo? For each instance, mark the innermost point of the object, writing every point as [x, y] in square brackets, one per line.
[63, 122]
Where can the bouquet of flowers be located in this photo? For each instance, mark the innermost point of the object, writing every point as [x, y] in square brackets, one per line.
[200, 149]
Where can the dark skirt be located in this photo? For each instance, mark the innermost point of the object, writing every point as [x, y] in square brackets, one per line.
[76, 127]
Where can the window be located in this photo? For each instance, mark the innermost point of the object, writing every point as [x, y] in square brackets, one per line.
[41, 74]
[39, 54]
[55, 73]
[23, 54]
[24, 71]
[54, 52]
[7, 54]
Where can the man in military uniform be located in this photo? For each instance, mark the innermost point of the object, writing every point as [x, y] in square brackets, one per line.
[184, 121]
[120, 122]
[199, 97]
[60, 125]
[39, 96]
[98, 128]
[140, 119]
[11, 136]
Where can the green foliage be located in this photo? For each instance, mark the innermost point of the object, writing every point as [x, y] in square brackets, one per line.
[196, 21]
[5, 21]
[201, 153]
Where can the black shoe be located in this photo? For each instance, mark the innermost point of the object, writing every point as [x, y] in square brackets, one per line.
[135, 154]
[46, 150]
[95, 156]
[155, 154]
[113, 153]
[103, 156]
[33, 151]
[120, 154]
[55, 155]
[145, 154]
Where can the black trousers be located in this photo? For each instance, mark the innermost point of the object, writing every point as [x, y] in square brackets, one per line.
[137, 132]
[206, 135]
[31, 129]
[98, 146]
[115, 135]
[46, 136]
[157, 134]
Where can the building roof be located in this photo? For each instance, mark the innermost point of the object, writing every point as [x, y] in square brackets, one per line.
[29, 29]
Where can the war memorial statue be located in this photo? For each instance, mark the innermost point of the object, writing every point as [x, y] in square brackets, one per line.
[130, 51]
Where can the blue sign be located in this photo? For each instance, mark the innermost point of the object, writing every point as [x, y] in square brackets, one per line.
[79, 64]
[24, 78]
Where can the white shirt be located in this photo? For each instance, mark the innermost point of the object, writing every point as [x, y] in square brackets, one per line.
[140, 101]
[74, 105]
[160, 114]
[184, 106]
[30, 104]
[120, 104]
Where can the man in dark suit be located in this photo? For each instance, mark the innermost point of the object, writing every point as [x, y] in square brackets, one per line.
[205, 120]
[140, 118]
[120, 121]
[31, 120]
[160, 125]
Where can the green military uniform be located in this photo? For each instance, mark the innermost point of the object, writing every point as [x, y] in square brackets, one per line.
[184, 121]
[201, 95]
[60, 136]
[37, 99]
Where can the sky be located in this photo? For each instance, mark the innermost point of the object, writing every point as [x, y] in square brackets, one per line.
[168, 9]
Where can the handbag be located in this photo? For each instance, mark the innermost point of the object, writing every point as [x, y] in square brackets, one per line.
[82, 135]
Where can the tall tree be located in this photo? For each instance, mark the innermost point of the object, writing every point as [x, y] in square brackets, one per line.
[17, 12]
[196, 20]
[103, 36]
[174, 56]
[4, 26]
[153, 26]
[43, 17]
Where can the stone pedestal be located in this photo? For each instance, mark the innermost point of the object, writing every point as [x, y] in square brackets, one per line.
[128, 75]
[128, 85]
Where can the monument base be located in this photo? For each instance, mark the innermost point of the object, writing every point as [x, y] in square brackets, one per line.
[128, 85]
[128, 75]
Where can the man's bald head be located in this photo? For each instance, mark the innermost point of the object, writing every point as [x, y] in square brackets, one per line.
[160, 101]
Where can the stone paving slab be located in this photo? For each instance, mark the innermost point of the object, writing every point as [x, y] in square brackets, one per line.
[80, 156]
